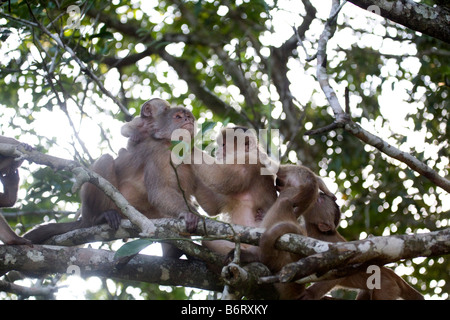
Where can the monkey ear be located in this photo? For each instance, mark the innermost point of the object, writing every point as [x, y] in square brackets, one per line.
[324, 227]
[153, 107]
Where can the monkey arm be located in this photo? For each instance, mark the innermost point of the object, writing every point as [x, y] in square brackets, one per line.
[10, 183]
[226, 178]
[210, 201]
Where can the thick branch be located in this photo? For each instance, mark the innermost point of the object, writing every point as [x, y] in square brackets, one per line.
[376, 250]
[130, 29]
[321, 256]
[41, 260]
[433, 21]
[82, 175]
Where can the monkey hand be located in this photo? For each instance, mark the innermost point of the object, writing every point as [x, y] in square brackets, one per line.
[191, 220]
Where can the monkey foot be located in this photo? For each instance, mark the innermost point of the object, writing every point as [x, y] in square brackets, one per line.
[191, 220]
[113, 218]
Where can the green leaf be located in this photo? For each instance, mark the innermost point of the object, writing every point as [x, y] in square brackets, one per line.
[132, 248]
[208, 125]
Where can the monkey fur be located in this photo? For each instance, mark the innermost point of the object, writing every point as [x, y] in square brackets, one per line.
[142, 173]
[9, 176]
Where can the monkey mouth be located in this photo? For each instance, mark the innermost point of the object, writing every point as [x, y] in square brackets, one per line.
[188, 126]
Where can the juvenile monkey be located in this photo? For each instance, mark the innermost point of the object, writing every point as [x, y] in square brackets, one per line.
[299, 190]
[142, 173]
[321, 222]
[9, 176]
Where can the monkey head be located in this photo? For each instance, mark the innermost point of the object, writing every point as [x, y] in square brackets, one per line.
[236, 143]
[325, 214]
[297, 183]
[158, 120]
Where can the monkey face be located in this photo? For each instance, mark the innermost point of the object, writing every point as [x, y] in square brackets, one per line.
[236, 143]
[170, 120]
[184, 119]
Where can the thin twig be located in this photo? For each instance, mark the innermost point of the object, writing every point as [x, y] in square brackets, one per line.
[342, 119]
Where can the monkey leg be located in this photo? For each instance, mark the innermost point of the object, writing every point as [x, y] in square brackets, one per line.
[96, 207]
[46, 231]
[8, 236]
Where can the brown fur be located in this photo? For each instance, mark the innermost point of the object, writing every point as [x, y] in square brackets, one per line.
[142, 173]
[321, 222]
[9, 176]
[299, 189]
[237, 189]
[275, 259]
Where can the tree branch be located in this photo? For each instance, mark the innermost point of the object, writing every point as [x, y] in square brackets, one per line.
[181, 67]
[25, 292]
[83, 67]
[343, 119]
[46, 259]
[320, 256]
[82, 175]
[376, 250]
[433, 21]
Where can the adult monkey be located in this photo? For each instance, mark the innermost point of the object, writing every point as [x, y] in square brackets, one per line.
[9, 176]
[239, 186]
[142, 173]
[232, 182]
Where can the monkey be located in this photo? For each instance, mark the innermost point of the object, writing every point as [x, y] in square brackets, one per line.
[321, 222]
[142, 173]
[321, 215]
[9, 176]
[232, 183]
[298, 190]
[322, 219]
[244, 203]
[138, 128]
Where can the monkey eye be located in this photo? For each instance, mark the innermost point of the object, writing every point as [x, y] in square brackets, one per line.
[279, 182]
[178, 116]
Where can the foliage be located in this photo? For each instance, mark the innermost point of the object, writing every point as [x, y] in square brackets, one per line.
[235, 62]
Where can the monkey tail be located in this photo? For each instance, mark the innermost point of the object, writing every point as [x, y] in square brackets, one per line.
[269, 255]
[45, 232]
[408, 292]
